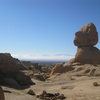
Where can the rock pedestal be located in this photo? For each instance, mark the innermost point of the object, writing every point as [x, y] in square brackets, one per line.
[88, 55]
[85, 39]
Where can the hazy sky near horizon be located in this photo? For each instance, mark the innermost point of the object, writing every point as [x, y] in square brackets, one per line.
[44, 29]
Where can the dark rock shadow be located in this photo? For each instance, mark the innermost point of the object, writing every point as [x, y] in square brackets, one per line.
[18, 81]
[16, 87]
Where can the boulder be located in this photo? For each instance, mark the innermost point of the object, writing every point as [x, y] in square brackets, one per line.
[1, 94]
[31, 92]
[86, 36]
[61, 68]
[51, 96]
[87, 55]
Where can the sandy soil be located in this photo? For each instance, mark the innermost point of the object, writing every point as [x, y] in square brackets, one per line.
[74, 88]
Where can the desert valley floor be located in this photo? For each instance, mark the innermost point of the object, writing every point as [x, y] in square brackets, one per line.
[74, 88]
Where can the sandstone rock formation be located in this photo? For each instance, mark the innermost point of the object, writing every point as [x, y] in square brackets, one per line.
[1, 94]
[61, 68]
[88, 55]
[9, 70]
[8, 64]
[85, 39]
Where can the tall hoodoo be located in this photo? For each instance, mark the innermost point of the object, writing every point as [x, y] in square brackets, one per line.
[85, 39]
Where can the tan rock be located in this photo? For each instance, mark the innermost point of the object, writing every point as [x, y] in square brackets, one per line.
[95, 84]
[86, 36]
[88, 55]
[61, 68]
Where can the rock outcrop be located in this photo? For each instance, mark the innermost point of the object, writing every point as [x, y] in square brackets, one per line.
[61, 68]
[9, 71]
[1, 94]
[8, 64]
[85, 39]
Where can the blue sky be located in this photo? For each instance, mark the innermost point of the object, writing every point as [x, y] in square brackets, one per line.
[44, 29]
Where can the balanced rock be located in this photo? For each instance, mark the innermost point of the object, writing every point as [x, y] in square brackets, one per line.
[85, 39]
[86, 36]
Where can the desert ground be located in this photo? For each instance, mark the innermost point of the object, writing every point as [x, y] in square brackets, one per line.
[73, 88]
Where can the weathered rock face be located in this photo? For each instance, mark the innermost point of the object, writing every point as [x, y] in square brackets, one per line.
[85, 39]
[61, 68]
[1, 94]
[88, 55]
[86, 36]
[8, 64]
[10, 74]
[23, 79]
